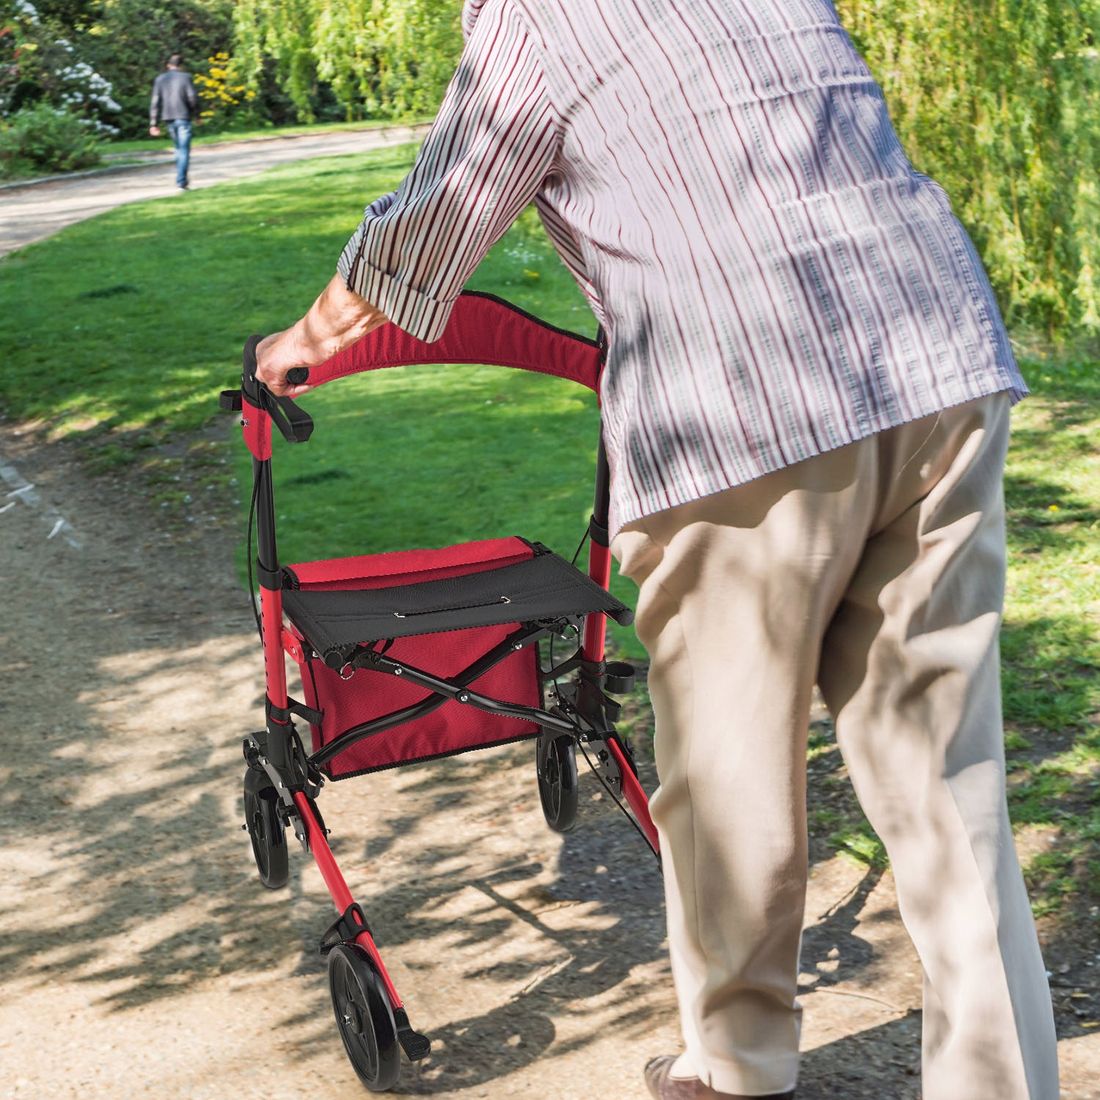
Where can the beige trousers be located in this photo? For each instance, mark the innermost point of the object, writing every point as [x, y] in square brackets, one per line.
[876, 571]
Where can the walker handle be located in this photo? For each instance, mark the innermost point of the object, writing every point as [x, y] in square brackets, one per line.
[294, 422]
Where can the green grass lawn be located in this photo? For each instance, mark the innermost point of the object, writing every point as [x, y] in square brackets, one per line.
[120, 330]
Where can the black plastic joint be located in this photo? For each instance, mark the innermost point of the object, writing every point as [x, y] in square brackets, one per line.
[269, 578]
[598, 532]
[283, 715]
[280, 714]
[592, 671]
[345, 928]
[230, 400]
[337, 659]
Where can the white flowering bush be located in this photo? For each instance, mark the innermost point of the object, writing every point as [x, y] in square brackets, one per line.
[39, 65]
[53, 103]
[82, 91]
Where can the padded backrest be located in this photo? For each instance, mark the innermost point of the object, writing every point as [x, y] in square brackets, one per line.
[482, 329]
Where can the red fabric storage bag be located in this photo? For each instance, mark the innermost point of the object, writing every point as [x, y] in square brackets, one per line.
[453, 727]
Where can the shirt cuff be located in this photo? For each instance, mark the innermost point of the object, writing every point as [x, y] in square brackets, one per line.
[420, 315]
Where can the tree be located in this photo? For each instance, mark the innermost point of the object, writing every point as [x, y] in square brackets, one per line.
[373, 58]
[1000, 101]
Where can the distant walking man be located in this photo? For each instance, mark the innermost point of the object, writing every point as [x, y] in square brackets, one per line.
[175, 100]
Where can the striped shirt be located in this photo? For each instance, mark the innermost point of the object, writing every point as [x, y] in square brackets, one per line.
[723, 180]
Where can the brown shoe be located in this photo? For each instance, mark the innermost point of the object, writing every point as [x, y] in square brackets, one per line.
[663, 1086]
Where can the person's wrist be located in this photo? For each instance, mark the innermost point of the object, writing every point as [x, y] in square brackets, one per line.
[343, 309]
[338, 318]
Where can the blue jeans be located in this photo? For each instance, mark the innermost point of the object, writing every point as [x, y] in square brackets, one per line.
[180, 129]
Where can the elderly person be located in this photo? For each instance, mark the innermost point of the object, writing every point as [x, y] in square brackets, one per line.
[805, 408]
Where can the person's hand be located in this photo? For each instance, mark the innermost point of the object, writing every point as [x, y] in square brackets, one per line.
[154, 131]
[338, 318]
[278, 353]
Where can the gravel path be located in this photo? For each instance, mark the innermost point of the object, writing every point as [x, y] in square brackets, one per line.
[140, 957]
[31, 213]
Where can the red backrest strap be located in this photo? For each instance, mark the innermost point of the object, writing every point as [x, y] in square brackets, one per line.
[481, 329]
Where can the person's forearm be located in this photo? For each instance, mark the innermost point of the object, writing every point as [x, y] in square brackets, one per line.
[336, 319]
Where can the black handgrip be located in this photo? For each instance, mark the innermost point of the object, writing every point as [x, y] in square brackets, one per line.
[296, 376]
[250, 358]
[294, 422]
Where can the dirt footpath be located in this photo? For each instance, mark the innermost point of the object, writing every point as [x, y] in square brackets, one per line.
[140, 957]
[33, 212]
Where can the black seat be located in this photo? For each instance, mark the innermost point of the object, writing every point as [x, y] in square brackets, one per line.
[542, 587]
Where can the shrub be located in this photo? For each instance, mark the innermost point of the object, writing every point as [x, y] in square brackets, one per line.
[43, 139]
[39, 65]
[224, 99]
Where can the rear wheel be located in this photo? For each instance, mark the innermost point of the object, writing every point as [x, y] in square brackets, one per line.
[265, 829]
[364, 1017]
[556, 760]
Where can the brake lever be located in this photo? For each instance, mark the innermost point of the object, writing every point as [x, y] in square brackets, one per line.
[291, 419]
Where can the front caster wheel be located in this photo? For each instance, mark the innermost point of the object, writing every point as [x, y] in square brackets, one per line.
[265, 829]
[556, 759]
[364, 1017]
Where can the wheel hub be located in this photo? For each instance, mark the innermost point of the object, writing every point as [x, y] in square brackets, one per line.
[351, 1018]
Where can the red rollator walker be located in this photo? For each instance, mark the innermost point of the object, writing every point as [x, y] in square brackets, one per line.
[414, 655]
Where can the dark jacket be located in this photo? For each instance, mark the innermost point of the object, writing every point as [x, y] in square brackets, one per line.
[174, 96]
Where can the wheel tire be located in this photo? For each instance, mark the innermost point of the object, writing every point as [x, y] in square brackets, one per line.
[265, 829]
[556, 761]
[364, 1017]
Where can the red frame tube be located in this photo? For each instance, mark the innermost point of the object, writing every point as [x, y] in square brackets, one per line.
[275, 637]
[595, 639]
[338, 888]
[635, 796]
[271, 617]
[595, 628]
